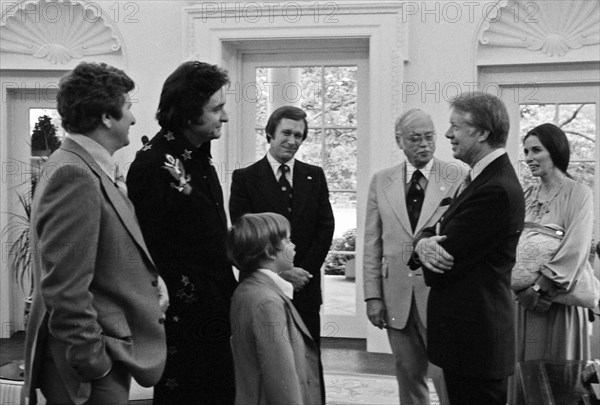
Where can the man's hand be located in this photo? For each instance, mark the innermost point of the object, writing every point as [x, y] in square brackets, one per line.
[297, 276]
[433, 256]
[376, 312]
[163, 295]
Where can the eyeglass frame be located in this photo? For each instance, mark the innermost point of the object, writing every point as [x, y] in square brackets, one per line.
[417, 138]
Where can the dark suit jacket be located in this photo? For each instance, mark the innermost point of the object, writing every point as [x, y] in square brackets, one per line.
[470, 308]
[276, 360]
[95, 299]
[254, 189]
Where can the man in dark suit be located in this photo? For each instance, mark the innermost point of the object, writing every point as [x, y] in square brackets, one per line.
[96, 319]
[304, 200]
[468, 255]
[282, 184]
[179, 203]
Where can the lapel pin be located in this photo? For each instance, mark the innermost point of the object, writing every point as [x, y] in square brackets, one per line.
[309, 178]
[443, 188]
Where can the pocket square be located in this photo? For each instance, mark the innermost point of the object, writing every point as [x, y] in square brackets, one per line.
[446, 201]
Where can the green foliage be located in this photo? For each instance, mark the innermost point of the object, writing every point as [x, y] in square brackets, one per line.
[43, 137]
[19, 251]
[335, 263]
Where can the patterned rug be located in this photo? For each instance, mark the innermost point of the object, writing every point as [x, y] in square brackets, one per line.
[341, 389]
[349, 389]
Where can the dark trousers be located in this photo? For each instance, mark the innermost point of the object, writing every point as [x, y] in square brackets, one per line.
[312, 320]
[467, 390]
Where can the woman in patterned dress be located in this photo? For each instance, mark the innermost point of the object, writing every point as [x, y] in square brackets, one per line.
[548, 330]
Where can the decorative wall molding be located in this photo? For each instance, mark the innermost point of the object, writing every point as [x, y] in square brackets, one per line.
[552, 27]
[57, 30]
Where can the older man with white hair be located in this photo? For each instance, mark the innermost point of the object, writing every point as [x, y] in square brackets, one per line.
[403, 200]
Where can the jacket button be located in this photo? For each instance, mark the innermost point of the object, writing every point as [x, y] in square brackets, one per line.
[154, 283]
[410, 274]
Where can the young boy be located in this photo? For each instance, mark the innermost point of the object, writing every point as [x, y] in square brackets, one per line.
[276, 360]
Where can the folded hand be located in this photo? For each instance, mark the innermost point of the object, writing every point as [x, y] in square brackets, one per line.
[533, 301]
[433, 256]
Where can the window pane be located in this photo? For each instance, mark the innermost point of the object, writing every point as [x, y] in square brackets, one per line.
[260, 93]
[311, 101]
[340, 96]
[533, 115]
[579, 124]
[341, 159]
[583, 172]
[261, 144]
[311, 149]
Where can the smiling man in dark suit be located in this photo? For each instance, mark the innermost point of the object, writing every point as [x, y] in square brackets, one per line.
[282, 184]
[467, 258]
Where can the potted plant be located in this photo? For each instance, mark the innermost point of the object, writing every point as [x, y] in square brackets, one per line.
[44, 141]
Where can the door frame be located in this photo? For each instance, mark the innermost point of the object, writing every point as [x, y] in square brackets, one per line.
[332, 325]
[42, 86]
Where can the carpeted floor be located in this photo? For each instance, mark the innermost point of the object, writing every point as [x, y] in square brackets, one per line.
[352, 375]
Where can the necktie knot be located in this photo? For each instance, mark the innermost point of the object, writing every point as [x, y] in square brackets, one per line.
[468, 179]
[416, 176]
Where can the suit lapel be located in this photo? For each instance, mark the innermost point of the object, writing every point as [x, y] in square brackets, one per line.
[437, 188]
[117, 199]
[301, 185]
[394, 189]
[266, 281]
[483, 178]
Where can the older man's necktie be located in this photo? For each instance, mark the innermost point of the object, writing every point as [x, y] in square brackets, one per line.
[286, 189]
[414, 198]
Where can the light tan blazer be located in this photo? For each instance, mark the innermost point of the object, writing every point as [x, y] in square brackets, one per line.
[96, 296]
[276, 360]
[389, 237]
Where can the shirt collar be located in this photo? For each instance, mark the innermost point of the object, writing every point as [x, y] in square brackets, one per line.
[275, 165]
[286, 287]
[100, 155]
[485, 161]
[410, 169]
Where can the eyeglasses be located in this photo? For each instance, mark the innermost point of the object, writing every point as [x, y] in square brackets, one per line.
[417, 138]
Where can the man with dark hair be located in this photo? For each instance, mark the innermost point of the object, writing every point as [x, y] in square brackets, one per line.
[282, 184]
[97, 317]
[468, 255]
[179, 203]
